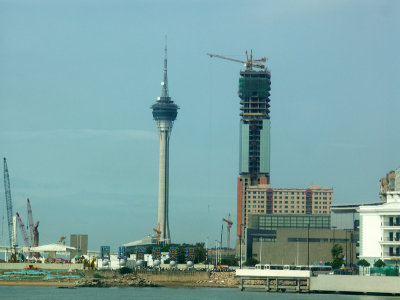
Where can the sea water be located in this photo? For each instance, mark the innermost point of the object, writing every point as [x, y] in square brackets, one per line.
[22, 292]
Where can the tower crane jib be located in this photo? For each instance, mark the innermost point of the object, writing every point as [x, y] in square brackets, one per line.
[249, 63]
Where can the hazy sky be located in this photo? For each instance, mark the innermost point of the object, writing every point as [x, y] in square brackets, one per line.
[77, 79]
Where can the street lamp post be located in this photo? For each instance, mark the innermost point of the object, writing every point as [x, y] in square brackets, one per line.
[308, 245]
[218, 252]
[240, 245]
[345, 239]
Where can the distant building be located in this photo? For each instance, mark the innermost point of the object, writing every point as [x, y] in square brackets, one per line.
[146, 241]
[303, 246]
[262, 199]
[265, 227]
[345, 216]
[389, 183]
[380, 230]
[80, 242]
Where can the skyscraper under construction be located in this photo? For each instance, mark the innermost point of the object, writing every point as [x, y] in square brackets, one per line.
[254, 148]
[254, 151]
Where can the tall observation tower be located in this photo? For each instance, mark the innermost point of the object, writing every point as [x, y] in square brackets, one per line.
[164, 112]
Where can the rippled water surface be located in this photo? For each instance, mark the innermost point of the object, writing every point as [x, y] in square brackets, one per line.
[162, 293]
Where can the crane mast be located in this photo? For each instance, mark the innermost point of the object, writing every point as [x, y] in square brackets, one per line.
[8, 201]
[228, 231]
[22, 228]
[30, 221]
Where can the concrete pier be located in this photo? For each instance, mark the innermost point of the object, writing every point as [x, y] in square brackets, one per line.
[346, 284]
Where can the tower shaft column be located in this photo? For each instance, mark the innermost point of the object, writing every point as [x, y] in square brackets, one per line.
[164, 128]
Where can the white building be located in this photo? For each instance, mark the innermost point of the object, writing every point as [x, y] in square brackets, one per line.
[380, 230]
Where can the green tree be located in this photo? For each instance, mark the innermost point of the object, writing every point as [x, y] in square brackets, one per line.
[125, 270]
[200, 252]
[167, 261]
[251, 262]
[165, 248]
[379, 264]
[363, 263]
[148, 249]
[230, 261]
[337, 256]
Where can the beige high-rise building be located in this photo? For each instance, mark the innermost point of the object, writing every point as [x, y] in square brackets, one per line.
[262, 199]
[389, 183]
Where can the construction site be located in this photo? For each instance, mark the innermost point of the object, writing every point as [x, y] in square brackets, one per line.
[254, 168]
[30, 253]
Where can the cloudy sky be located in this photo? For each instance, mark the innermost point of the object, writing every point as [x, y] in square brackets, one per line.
[77, 79]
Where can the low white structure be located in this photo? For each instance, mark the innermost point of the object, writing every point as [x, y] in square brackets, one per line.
[52, 248]
[380, 230]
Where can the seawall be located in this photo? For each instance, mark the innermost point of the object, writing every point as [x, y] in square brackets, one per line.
[355, 284]
[22, 266]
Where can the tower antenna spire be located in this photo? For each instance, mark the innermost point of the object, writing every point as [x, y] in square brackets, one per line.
[164, 83]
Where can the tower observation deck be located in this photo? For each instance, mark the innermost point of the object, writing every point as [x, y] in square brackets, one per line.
[164, 113]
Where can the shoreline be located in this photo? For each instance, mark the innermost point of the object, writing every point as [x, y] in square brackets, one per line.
[106, 279]
[38, 283]
[172, 284]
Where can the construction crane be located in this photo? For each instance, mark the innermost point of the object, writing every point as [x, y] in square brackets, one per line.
[228, 230]
[30, 221]
[52, 253]
[249, 63]
[22, 227]
[8, 201]
[158, 232]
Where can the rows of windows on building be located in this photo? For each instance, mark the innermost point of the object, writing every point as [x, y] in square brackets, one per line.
[262, 199]
[272, 222]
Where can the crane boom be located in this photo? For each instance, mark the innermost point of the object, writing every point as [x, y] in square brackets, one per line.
[30, 221]
[8, 201]
[52, 253]
[22, 227]
[227, 58]
[249, 62]
[158, 232]
[228, 231]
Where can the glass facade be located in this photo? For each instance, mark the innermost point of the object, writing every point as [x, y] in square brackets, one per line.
[244, 148]
[265, 147]
[273, 222]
